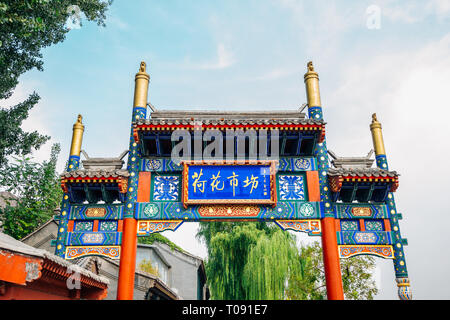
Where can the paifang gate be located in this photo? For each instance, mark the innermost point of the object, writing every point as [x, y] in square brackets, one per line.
[295, 181]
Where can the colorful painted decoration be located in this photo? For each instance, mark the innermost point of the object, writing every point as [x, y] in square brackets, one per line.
[311, 227]
[166, 188]
[383, 251]
[112, 252]
[108, 225]
[226, 211]
[374, 225]
[148, 227]
[169, 210]
[349, 225]
[94, 238]
[291, 187]
[84, 226]
[364, 237]
[404, 290]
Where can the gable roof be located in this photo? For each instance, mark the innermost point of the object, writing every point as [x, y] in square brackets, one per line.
[10, 244]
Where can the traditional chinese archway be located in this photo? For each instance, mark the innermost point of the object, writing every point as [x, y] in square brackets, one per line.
[350, 205]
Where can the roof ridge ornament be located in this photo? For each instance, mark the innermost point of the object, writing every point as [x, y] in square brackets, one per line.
[142, 67]
[351, 163]
[374, 118]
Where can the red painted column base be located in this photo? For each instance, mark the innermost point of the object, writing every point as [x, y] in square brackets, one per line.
[331, 262]
[125, 284]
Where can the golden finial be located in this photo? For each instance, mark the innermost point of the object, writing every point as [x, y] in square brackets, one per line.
[142, 67]
[377, 136]
[141, 86]
[77, 136]
[79, 123]
[374, 118]
[312, 86]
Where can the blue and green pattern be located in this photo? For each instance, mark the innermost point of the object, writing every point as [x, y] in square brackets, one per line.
[113, 212]
[364, 237]
[93, 238]
[347, 211]
[166, 210]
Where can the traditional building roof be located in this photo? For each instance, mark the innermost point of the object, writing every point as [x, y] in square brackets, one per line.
[220, 121]
[225, 115]
[103, 163]
[362, 172]
[96, 173]
[13, 245]
[351, 162]
[29, 272]
[95, 184]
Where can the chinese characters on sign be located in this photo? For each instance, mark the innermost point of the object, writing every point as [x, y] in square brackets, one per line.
[228, 183]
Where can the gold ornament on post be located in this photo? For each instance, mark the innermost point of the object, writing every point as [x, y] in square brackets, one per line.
[77, 137]
[377, 136]
[141, 87]
[312, 86]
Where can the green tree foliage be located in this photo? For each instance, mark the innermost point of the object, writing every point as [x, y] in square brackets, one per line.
[27, 26]
[235, 249]
[269, 265]
[256, 261]
[38, 191]
[151, 238]
[13, 140]
[356, 272]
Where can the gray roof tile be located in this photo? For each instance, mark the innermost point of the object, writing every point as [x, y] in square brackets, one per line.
[96, 173]
[362, 172]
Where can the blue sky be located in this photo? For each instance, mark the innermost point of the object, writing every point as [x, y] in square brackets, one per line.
[251, 55]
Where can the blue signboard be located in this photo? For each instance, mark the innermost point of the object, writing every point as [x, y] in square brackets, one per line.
[229, 184]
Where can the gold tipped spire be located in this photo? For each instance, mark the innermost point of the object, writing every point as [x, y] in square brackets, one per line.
[312, 86]
[377, 136]
[77, 137]
[141, 87]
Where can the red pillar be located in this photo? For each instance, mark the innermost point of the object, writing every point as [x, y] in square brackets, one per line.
[125, 284]
[329, 243]
[127, 266]
[331, 263]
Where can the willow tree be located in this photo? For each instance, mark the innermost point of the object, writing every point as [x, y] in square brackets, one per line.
[247, 260]
[269, 265]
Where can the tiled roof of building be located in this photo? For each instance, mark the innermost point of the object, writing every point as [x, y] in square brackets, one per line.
[222, 121]
[226, 115]
[13, 245]
[351, 162]
[96, 173]
[361, 172]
